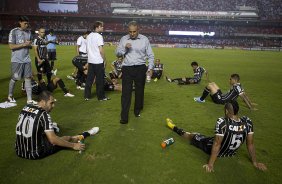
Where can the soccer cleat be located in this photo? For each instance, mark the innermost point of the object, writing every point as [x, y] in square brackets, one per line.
[80, 88]
[54, 72]
[123, 121]
[156, 79]
[198, 99]
[86, 99]
[137, 115]
[93, 130]
[168, 79]
[69, 95]
[104, 99]
[31, 102]
[11, 99]
[70, 77]
[169, 123]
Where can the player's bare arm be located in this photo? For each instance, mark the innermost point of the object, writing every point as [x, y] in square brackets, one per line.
[215, 150]
[252, 153]
[247, 101]
[207, 76]
[55, 140]
[102, 52]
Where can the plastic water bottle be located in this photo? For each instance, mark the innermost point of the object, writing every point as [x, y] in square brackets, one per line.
[148, 78]
[167, 142]
[81, 140]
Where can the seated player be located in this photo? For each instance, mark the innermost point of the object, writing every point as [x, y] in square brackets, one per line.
[111, 85]
[51, 86]
[116, 66]
[230, 133]
[196, 79]
[157, 71]
[80, 62]
[35, 135]
[219, 98]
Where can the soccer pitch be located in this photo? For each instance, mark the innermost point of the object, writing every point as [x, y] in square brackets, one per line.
[132, 153]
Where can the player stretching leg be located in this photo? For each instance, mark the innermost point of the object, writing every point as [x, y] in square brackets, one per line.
[230, 133]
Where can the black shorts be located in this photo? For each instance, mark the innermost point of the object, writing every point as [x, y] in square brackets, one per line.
[52, 55]
[43, 67]
[202, 142]
[49, 149]
[51, 87]
[216, 98]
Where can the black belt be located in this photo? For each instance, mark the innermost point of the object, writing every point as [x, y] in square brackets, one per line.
[135, 66]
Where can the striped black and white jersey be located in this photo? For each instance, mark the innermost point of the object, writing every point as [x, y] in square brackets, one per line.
[158, 68]
[32, 124]
[41, 44]
[117, 65]
[233, 93]
[198, 73]
[234, 134]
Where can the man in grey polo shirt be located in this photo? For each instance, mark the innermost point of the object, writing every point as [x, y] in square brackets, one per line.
[136, 49]
[20, 43]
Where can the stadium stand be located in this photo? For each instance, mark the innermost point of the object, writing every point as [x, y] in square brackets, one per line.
[265, 31]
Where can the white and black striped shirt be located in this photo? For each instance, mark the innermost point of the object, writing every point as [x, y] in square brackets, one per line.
[198, 73]
[41, 44]
[234, 134]
[31, 139]
[233, 93]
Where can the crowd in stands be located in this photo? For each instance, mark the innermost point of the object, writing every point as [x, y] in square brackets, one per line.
[268, 10]
[148, 28]
[225, 35]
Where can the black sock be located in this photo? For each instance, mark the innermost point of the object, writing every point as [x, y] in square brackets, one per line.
[179, 131]
[176, 80]
[49, 76]
[52, 65]
[85, 134]
[39, 76]
[62, 86]
[206, 92]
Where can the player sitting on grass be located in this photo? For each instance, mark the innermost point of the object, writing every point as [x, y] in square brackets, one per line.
[219, 98]
[111, 85]
[196, 79]
[80, 62]
[51, 86]
[116, 66]
[157, 72]
[35, 135]
[230, 133]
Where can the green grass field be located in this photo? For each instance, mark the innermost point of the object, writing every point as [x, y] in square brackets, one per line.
[132, 153]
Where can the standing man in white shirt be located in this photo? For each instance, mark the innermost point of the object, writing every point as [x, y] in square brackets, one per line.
[96, 60]
[81, 44]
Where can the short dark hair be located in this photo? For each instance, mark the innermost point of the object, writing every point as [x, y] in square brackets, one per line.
[23, 19]
[132, 23]
[87, 32]
[97, 24]
[235, 76]
[51, 30]
[194, 63]
[232, 106]
[44, 96]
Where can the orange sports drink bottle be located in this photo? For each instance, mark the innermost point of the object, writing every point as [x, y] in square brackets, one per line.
[167, 142]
